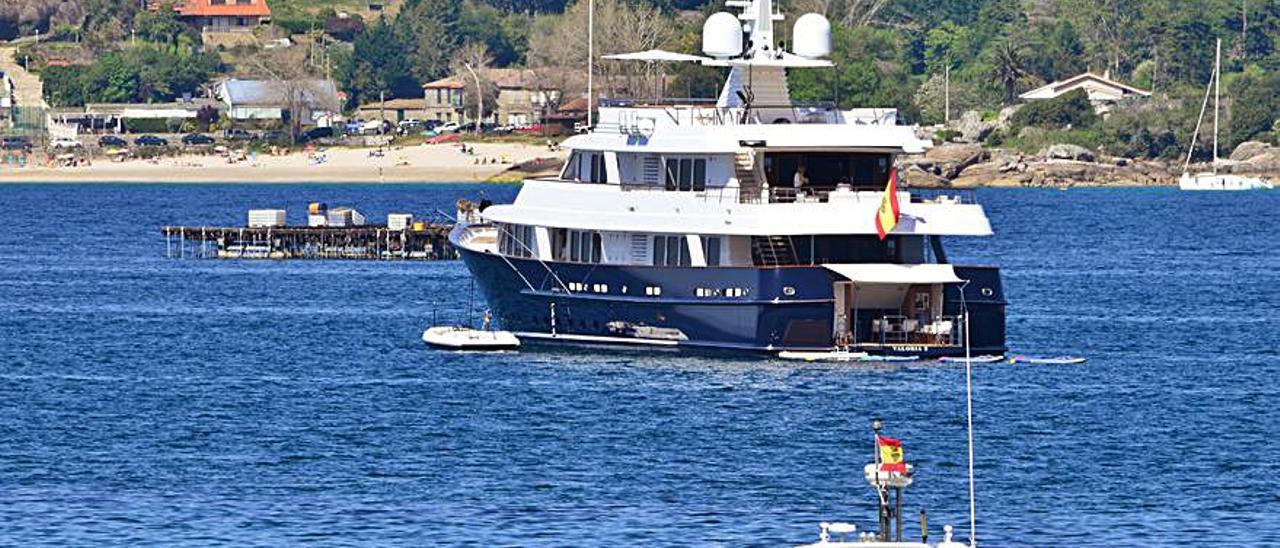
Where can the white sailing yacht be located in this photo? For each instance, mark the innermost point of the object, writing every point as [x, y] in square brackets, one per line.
[1214, 180]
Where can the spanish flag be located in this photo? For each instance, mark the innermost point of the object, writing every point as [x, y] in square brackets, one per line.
[891, 455]
[887, 215]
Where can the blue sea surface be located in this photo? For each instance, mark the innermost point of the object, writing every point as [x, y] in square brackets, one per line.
[167, 402]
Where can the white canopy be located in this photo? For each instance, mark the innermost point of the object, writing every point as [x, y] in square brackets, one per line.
[896, 273]
[655, 55]
[787, 60]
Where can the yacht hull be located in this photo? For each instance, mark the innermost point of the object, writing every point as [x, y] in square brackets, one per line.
[789, 308]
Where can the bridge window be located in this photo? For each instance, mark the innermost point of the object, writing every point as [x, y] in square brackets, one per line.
[687, 174]
[586, 167]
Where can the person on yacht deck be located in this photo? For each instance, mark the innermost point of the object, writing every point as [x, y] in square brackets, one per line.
[800, 180]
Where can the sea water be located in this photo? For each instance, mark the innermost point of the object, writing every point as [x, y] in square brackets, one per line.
[154, 401]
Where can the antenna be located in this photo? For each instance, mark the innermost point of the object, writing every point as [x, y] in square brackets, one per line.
[968, 401]
[591, 59]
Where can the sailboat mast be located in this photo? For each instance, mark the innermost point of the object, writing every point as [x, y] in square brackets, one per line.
[1217, 104]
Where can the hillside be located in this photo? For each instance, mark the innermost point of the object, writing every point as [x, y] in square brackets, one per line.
[889, 53]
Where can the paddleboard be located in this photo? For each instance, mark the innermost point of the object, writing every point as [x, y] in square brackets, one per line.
[976, 359]
[1055, 360]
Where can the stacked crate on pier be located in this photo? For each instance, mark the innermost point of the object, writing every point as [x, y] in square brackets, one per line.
[345, 217]
[263, 218]
[399, 221]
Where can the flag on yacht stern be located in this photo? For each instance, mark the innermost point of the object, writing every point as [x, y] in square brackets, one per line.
[891, 455]
[887, 215]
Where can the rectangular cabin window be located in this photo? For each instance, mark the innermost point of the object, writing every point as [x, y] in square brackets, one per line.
[517, 240]
[686, 174]
[671, 251]
[580, 246]
[711, 250]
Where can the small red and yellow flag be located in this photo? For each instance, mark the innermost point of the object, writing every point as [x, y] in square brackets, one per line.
[891, 455]
[887, 215]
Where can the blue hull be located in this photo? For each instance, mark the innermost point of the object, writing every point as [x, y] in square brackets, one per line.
[779, 308]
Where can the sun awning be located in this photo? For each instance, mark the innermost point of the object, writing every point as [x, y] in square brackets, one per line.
[655, 55]
[896, 273]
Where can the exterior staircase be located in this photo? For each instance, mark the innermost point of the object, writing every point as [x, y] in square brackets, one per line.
[748, 184]
[773, 251]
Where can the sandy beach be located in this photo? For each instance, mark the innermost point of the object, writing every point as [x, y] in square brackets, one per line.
[413, 163]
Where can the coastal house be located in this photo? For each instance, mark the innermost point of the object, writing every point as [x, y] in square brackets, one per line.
[223, 15]
[442, 99]
[521, 99]
[123, 117]
[317, 101]
[395, 110]
[222, 22]
[1103, 91]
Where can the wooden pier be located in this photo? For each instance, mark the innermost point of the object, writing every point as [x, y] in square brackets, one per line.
[369, 242]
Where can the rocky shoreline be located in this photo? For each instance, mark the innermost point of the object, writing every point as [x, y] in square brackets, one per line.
[954, 165]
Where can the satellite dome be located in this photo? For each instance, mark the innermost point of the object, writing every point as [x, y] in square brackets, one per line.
[812, 36]
[722, 36]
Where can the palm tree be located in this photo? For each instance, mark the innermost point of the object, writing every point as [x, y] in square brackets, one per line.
[1007, 69]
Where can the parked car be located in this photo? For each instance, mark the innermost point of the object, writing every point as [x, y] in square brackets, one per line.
[112, 141]
[64, 143]
[276, 137]
[409, 125]
[316, 133]
[353, 127]
[16, 143]
[237, 134]
[447, 127]
[192, 139]
[150, 141]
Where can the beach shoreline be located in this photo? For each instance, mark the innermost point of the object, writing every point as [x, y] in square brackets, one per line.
[444, 163]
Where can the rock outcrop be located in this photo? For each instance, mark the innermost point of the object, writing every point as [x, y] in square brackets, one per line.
[1067, 152]
[1249, 150]
[970, 166]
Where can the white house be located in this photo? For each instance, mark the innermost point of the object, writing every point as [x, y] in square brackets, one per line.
[270, 99]
[1102, 90]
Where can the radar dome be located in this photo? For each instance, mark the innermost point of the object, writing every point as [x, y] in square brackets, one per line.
[722, 36]
[812, 37]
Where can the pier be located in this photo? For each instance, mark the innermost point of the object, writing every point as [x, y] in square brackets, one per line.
[421, 242]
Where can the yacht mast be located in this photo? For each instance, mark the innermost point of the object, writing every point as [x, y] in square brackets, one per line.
[1217, 105]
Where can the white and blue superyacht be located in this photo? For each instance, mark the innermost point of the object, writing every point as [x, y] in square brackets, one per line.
[747, 224]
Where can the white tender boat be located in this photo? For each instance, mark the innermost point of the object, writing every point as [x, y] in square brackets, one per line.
[454, 337]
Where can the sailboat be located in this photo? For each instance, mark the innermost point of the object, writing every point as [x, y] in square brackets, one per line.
[1214, 180]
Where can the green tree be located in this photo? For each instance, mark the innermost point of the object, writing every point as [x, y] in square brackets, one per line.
[871, 71]
[1255, 106]
[1007, 69]
[1071, 110]
[1056, 52]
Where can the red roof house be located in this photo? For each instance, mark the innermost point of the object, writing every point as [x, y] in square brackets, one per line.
[215, 15]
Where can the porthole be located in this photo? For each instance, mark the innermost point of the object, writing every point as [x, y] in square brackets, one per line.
[987, 292]
[789, 291]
